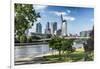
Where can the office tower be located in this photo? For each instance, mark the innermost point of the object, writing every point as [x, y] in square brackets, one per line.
[54, 28]
[61, 23]
[38, 28]
[48, 30]
[63, 26]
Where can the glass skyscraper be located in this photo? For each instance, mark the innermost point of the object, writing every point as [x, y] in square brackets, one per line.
[54, 28]
[38, 28]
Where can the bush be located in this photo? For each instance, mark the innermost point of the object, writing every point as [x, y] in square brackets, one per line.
[23, 38]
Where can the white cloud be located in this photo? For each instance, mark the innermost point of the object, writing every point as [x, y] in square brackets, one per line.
[58, 13]
[63, 13]
[38, 19]
[68, 11]
[70, 18]
[39, 7]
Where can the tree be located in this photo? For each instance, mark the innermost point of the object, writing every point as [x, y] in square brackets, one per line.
[58, 45]
[61, 45]
[89, 47]
[23, 38]
[25, 16]
[67, 46]
[55, 43]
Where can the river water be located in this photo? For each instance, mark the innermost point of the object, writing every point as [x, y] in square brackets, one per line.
[34, 50]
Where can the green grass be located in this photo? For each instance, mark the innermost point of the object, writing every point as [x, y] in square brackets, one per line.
[76, 56]
[72, 57]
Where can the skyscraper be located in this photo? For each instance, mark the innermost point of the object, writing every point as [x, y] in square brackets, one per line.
[63, 26]
[53, 28]
[38, 28]
[48, 30]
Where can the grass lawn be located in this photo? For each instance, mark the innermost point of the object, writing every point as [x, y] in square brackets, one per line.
[78, 55]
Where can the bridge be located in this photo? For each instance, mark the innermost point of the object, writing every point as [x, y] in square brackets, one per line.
[47, 39]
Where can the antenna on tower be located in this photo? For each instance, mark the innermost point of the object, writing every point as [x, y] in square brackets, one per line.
[61, 18]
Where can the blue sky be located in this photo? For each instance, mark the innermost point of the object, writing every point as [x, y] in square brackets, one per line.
[78, 18]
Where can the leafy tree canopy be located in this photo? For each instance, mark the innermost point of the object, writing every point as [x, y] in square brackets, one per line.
[25, 16]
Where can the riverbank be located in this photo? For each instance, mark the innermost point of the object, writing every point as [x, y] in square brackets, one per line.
[52, 57]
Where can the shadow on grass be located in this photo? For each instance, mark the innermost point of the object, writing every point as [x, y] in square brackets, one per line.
[72, 57]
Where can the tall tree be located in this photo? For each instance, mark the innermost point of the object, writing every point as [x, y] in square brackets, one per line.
[61, 44]
[55, 44]
[25, 16]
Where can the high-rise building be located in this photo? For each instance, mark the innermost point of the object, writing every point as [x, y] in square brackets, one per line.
[54, 28]
[48, 30]
[38, 28]
[63, 26]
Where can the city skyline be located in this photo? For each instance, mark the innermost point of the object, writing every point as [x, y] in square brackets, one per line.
[78, 18]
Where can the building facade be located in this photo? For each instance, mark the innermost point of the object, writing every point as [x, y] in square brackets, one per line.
[53, 28]
[38, 28]
[63, 26]
[85, 33]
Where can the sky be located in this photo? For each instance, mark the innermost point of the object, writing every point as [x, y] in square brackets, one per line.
[78, 18]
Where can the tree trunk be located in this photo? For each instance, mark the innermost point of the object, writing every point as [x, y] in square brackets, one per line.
[59, 54]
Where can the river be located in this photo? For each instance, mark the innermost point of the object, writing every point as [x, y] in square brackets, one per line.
[32, 51]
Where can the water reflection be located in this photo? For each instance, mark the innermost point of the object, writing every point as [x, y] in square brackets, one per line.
[30, 50]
